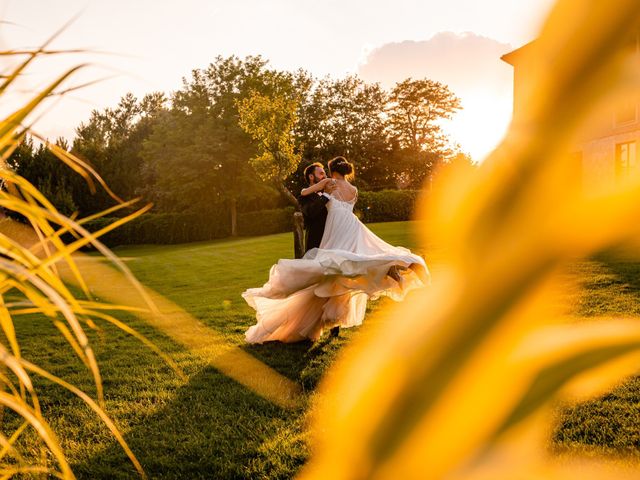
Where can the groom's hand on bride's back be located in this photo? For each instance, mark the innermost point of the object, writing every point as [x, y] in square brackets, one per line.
[330, 187]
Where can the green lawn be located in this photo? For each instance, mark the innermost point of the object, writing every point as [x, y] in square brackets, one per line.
[210, 426]
[609, 425]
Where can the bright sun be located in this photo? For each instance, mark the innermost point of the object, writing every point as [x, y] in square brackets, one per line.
[480, 126]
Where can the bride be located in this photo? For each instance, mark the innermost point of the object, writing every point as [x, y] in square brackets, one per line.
[330, 285]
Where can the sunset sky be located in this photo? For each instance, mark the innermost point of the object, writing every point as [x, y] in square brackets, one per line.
[149, 45]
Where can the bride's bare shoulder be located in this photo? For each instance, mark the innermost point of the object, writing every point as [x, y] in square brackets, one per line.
[348, 192]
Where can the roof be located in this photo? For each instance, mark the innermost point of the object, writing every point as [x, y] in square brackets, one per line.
[515, 55]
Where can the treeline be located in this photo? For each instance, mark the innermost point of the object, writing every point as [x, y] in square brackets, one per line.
[237, 135]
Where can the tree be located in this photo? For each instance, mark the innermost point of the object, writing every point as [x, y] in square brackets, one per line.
[47, 173]
[270, 122]
[111, 141]
[459, 164]
[235, 134]
[197, 158]
[346, 117]
[415, 107]
[414, 110]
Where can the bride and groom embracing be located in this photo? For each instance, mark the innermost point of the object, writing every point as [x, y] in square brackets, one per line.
[344, 266]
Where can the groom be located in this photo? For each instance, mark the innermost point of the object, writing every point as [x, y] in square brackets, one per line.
[314, 212]
[314, 207]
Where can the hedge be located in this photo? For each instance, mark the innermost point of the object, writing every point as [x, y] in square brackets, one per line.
[266, 222]
[386, 205]
[163, 228]
[170, 228]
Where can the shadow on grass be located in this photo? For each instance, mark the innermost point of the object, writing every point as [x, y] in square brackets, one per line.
[214, 427]
[628, 273]
[610, 287]
[303, 362]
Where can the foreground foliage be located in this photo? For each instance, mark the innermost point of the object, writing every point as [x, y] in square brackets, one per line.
[465, 385]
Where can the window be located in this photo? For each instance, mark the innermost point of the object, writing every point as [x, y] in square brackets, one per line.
[626, 158]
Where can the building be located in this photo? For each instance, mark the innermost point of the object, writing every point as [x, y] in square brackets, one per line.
[607, 146]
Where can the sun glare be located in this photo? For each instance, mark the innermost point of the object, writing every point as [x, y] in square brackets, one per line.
[481, 125]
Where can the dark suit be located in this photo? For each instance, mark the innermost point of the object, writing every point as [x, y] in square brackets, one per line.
[314, 211]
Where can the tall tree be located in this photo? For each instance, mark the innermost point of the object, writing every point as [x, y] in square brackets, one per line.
[415, 109]
[47, 173]
[270, 120]
[198, 156]
[111, 140]
[346, 117]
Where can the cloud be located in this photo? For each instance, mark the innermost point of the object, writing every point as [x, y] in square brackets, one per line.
[470, 65]
[463, 61]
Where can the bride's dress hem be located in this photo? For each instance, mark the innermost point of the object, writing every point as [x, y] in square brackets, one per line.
[330, 285]
[327, 288]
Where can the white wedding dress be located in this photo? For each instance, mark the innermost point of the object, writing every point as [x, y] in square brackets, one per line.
[330, 285]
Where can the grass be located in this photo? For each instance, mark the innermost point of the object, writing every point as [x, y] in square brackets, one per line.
[212, 427]
[609, 425]
[209, 426]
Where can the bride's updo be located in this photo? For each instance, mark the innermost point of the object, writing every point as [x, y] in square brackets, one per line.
[342, 166]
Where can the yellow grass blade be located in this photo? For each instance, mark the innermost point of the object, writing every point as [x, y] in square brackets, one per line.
[11, 123]
[6, 323]
[134, 333]
[94, 406]
[31, 56]
[7, 444]
[15, 471]
[78, 340]
[41, 427]
[80, 166]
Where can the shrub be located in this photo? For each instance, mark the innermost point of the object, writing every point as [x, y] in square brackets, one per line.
[163, 228]
[170, 228]
[266, 222]
[386, 205]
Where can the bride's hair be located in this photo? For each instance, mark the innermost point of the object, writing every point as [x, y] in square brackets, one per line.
[341, 166]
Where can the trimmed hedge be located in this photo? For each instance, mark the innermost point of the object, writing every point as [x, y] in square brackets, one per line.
[170, 228]
[386, 205]
[163, 228]
[266, 222]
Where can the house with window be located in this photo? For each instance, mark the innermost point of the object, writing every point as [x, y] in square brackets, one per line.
[607, 147]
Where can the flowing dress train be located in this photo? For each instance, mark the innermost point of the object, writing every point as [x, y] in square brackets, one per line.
[330, 285]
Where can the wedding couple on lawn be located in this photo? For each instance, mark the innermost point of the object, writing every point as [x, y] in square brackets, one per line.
[344, 266]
